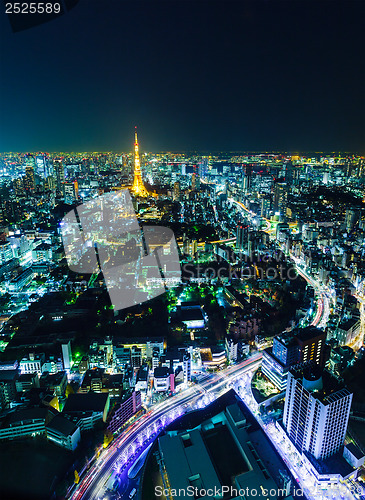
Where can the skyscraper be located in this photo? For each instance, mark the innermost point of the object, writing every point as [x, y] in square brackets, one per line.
[60, 174]
[276, 361]
[195, 184]
[70, 192]
[241, 236]
[280, 197]
[176, 193]
[138, 187]
[67, 355]
[289, 170]
[301, 345]
[247, 178]
[316, 411]
[29, 181]
[42, 163]
[351, 218]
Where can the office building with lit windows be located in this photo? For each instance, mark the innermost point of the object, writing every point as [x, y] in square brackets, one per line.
[277, 360]
[280, 197]
[300, 346]
[126, 408]
[311, 342]
[177, 191]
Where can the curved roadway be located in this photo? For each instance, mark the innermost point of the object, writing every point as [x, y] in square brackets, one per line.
[130, 443]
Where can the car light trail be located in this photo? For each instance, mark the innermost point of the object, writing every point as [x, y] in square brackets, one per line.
[126, 449]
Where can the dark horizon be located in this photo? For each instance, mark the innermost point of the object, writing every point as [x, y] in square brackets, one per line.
[194, 76]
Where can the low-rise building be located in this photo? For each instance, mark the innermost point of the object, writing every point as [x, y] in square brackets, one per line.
[32, 364]
[26, 381]
[54, 382]
[161, 379]
[7, 387]
[87, 409]
[347, 331]
[213, 358]
[232, 349]
[353, 455]
[129, 405]
[63, 432]
[142, 379]
[23, 423]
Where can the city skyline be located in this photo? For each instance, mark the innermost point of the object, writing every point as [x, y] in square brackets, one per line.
[269, 275]
[182, 311]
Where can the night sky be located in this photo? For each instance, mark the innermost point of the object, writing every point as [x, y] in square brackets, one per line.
[192, 75]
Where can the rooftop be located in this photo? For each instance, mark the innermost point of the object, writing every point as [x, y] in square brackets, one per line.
[91, 401]
[310, 332]
[354, 450]
[333, 387]
[335, 464]
[61, 425]
[23, 415]
[161, 372]
[217, 452]
[8, 375]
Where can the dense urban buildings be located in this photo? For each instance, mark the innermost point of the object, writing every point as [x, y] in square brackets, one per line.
[261, 275]
[182, 309]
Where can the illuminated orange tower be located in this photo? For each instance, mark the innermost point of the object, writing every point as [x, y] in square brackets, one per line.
[138, 187]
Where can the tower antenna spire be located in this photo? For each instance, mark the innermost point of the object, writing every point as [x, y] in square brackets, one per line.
[138, 187]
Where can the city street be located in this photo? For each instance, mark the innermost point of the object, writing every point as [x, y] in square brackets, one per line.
[127, 447]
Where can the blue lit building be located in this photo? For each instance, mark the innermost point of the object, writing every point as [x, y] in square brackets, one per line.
[277, 360]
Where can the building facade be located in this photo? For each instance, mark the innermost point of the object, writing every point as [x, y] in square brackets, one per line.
[316, 411]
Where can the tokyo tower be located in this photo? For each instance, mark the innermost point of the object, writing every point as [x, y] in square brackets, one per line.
[138, 188]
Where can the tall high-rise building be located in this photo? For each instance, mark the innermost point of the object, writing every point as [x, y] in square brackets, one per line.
[42, 163]
[300, 345]
[316, 411]
[289, 170]
[70, 192]
[59, 174]
[276, 361]
[241, 237]
[187, 368]
[280, 197]
[29, 179]
[195, 182]
[247, 178]
[67, 355]
[311, 343]
[203, 167]
[285, 349]
[361, 168]
[2, 212]
[193, 248]
[177, 192]
[352, 217]
[138, 187]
